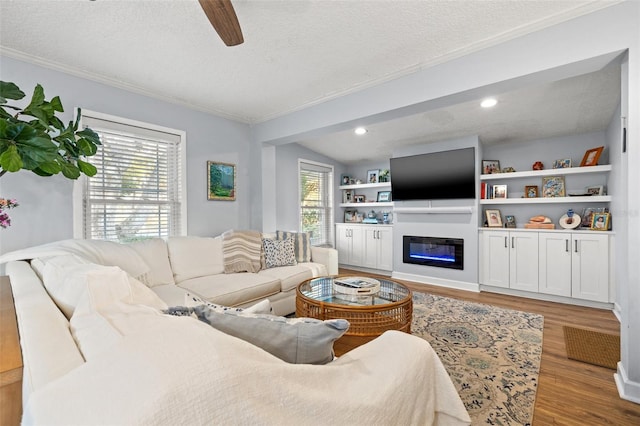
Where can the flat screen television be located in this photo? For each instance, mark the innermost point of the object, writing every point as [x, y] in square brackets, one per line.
[444, 175]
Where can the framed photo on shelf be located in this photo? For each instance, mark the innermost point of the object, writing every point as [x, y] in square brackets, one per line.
[384, 176]
[358, 198]
[345, 180]
[499, 191]
[221, 181]
[600, 221]
[372, 176]
[531, 191]
[595, 190]
[591, 156]
[553, 186]
[384, 196]
[587, 215]
[349, 216]
[494, 219]
[509, 221]
[490, 167]
[564, 163]
[347, 195]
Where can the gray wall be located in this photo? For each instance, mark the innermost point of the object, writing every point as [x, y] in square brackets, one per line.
[45, 212]
[286, 182]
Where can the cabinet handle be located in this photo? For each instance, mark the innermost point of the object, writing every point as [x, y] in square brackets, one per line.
[512, 242]
[505, 243]
[575, 246]
[378, 232]
[566, 245]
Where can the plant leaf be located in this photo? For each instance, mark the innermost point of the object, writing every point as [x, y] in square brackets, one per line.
[10, 159]
[9, 90]
[56, 104]
[50, 167]
[86, 168]
[70, 171]
[37, 99]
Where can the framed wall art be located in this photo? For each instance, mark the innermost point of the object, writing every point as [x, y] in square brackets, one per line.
[221, 181]
[591, 156]
[553, 186]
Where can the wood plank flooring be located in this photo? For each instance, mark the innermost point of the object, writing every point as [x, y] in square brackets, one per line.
[569, 392]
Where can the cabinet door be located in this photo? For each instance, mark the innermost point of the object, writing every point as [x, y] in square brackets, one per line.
[555, 263]
[590, 267]
[370, 247]
[385, 249]
[357, 246]
[523, 261]
[343, 244]
[494, 259]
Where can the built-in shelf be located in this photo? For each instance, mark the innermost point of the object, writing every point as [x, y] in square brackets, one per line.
[372, 204]
[434, 210]
[558, 229]
[366, 185]
[549, 200]
[548, 172]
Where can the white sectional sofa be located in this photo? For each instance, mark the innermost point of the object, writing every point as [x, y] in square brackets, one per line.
[99, 348]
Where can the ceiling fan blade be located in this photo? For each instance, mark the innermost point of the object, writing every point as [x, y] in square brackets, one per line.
[224, 20]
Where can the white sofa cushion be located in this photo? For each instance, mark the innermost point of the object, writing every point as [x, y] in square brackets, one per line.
[156, 255]
[113, 305]
[289, 276]
[193, 257]
[233, 289]
[64, 277]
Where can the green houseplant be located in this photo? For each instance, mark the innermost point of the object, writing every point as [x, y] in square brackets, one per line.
[33, 138]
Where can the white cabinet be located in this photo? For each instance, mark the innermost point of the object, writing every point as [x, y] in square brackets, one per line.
[509, 259]
[378, 247]
[575, 265]
[350, 244]
[367, 246]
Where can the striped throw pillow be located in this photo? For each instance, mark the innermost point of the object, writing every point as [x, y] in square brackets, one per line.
[302, 244]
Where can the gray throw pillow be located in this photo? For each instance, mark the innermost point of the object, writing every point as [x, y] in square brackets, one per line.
[302, 244]
[294, 340]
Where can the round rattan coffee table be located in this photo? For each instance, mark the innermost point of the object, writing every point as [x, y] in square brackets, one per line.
[389, 309]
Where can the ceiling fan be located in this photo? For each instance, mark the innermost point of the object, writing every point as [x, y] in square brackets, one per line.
[224, 20]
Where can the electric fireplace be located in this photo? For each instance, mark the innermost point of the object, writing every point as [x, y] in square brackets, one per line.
[432, 251]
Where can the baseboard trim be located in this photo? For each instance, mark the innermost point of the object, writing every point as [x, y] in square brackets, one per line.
[617, 311]
[547, 297]
[627, 389]
[440, 282]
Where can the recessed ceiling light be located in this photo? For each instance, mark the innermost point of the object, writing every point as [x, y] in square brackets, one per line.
[360, 131]
[488, 103]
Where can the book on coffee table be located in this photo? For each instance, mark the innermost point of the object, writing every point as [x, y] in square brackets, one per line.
[356, 285]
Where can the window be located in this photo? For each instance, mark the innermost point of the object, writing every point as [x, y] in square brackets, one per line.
[138, 192]
[316, 205]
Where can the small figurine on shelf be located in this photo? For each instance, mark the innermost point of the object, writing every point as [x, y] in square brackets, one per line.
[538, 165]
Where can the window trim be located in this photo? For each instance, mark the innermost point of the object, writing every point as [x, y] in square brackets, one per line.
[80, 183]
[331, 216]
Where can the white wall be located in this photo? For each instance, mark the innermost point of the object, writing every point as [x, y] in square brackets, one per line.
[45, 212]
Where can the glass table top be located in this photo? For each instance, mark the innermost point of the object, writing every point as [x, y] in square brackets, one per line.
[321, 290]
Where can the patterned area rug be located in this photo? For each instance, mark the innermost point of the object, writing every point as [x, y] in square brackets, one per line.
[491, 354]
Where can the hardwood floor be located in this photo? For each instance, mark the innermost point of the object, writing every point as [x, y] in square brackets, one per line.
[569, 392]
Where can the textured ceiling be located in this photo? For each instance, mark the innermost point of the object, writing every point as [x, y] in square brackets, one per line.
[296, 53]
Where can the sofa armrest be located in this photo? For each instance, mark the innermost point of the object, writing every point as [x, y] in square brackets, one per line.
[327, 256]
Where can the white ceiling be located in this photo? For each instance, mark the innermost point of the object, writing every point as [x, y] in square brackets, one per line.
[299, 53]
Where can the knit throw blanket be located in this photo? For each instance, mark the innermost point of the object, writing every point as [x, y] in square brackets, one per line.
[241, 251]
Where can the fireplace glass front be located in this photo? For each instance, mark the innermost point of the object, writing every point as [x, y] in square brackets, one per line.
[433, 251]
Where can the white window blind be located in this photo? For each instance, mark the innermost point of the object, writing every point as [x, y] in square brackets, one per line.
[137, 192]
[316, 205]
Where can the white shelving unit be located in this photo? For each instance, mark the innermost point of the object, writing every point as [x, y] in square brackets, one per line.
[548, 172]
[367, 186]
